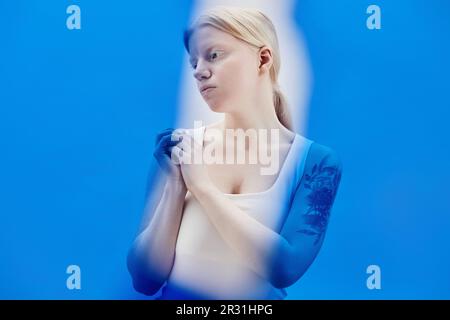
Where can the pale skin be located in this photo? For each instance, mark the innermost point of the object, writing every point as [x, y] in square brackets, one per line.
[243, 92]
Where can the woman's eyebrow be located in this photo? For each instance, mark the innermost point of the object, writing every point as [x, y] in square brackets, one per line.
[213, 46]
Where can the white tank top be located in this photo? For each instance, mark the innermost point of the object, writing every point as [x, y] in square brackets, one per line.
[205, 267]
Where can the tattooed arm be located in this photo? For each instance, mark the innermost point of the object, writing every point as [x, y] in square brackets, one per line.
[280, 258]
[306, 224]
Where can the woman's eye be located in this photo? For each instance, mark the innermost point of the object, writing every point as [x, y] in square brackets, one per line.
[213, 55]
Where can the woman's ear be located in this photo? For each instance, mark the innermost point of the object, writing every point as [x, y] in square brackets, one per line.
[265, 58]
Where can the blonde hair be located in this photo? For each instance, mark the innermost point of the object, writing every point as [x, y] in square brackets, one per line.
[255, 28]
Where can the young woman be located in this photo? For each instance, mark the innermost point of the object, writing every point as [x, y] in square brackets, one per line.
[223, 230]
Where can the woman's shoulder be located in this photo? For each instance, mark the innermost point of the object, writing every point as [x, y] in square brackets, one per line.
[322, 156]
[322, 168]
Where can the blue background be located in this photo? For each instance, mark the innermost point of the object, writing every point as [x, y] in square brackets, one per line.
[79, 111]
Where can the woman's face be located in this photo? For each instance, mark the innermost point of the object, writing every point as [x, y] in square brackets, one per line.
[226, 63]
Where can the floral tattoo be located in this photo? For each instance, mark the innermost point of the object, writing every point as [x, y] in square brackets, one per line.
[323, 182]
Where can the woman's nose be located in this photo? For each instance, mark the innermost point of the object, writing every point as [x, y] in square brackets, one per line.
[201, 73]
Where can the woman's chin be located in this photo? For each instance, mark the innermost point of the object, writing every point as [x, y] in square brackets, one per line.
[216, 108]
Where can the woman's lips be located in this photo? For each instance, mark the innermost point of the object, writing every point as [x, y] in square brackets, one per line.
[207, 89]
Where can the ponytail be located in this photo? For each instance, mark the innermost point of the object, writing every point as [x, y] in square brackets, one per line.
[282, 107]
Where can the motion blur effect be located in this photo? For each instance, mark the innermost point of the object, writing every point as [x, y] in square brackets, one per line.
[86, 86]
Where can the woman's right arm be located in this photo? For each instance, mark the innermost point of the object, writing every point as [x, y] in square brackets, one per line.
[151, 256]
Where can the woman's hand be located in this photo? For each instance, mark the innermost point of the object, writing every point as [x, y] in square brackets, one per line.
[189, 154]
[165, 141]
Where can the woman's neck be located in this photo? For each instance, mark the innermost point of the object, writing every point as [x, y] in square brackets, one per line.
[231, 122]
[245, 122]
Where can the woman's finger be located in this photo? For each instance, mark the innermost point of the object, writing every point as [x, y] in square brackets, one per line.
[165, 144]
[186, 144]
[176, 155]
[162, 134]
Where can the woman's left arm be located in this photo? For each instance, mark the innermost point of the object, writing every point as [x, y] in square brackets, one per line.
[280, 258]
[305, 227]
